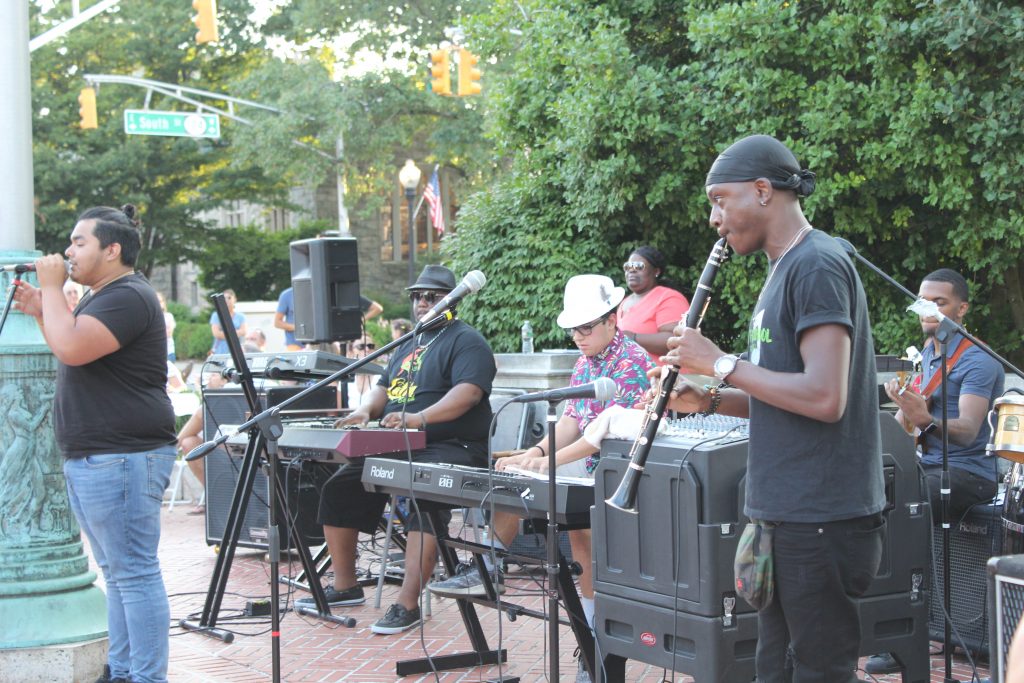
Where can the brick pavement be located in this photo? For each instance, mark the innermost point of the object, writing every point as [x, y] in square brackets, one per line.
[312, 650]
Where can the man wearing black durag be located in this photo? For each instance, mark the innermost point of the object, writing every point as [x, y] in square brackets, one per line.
[807, 383]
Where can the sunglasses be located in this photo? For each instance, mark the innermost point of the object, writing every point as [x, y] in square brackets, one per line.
[430, 298]
[361, 347]
[633, 266]
[588, 329]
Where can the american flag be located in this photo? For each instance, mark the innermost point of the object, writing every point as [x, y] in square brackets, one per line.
[432, 193]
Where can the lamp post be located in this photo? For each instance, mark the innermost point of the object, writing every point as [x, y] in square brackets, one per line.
[409, 177]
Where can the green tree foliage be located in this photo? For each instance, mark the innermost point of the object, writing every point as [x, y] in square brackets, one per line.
[170, 179]
[610, 113]
[251, 261]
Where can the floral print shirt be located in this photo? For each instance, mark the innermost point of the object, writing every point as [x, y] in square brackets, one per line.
[623, 361]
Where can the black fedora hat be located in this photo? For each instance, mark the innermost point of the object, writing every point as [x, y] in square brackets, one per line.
[434, 277]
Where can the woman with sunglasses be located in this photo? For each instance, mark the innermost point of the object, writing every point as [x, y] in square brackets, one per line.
[362, 383]
[649, 314]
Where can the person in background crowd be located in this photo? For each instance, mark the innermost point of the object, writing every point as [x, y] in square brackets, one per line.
[400, 326]
[220, 344]
[652, 310]
[114, 424]
[807, 383]
[256, 339]
[191, 435]
[284, 319]
[171, 324]
[72, 294]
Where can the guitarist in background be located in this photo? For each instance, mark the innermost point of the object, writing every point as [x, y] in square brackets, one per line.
[974, 380]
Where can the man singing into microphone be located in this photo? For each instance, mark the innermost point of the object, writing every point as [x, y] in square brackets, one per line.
[807, 382]
[589, 318]
[439, 381]
[115, 425]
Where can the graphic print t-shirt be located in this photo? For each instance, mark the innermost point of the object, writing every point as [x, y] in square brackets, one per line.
[420, 374]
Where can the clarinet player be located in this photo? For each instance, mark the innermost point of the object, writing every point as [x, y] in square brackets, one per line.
[807, 383]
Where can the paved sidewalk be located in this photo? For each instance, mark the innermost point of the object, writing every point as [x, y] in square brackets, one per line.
[312, 650]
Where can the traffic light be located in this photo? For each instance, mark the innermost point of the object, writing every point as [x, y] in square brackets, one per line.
[205, 20]
[469, 75]
[440, 72]
[87, 108]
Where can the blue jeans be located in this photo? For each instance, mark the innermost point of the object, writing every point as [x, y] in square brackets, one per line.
[116, 498]
[810, 633]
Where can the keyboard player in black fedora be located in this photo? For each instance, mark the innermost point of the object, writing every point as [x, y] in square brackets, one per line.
[440, 381]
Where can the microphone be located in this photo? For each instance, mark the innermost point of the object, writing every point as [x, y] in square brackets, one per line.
[602, 390]
[278, 367]
[473, 282]
[20, 268]
[201, 451]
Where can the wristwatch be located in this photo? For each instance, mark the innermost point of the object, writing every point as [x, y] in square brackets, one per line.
[725, 364]
[929, 429]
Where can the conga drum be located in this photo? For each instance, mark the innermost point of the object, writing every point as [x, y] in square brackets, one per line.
[1008, 431]
[1013, 512]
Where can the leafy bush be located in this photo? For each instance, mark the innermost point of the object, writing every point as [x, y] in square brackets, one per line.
[192, 340]
[254, 263]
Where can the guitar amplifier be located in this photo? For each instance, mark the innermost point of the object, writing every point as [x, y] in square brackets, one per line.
[975, 539]
[1005, 608]
[228, 407]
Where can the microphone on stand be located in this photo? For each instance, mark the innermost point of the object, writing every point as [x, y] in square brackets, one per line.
[472, 282]
[19, 268]
[602, 390]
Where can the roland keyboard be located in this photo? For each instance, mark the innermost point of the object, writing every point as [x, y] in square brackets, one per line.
[321, 443]
[472, 487]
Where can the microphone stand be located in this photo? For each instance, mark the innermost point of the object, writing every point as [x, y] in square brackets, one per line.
[551, 560]
[945, 330]
[10, 300]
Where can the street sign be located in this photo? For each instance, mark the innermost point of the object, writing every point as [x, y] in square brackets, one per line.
[171, 123]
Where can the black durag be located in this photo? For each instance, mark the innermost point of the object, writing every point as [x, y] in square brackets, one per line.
[761, 156]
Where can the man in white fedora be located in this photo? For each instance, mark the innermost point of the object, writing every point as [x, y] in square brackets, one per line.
[589, 318]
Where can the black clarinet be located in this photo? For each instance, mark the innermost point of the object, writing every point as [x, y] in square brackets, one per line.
[624, 497]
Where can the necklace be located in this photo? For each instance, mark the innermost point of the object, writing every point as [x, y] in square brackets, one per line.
[775, 266]
[126, 274]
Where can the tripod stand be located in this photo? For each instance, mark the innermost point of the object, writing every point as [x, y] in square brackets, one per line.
[263, 439]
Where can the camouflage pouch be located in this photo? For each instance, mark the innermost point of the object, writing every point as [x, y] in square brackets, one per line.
[755, 577]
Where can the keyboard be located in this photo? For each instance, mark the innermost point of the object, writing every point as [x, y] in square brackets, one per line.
[475, 487]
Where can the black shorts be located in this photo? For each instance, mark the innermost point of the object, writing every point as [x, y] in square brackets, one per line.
[346, 504]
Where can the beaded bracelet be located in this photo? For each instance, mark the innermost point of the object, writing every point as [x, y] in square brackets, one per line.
[716, 398]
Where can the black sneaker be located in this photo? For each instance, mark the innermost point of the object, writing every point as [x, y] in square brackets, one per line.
[884, 663]
[335, 598]
[105, 678]
[467, 581]
[396, 620]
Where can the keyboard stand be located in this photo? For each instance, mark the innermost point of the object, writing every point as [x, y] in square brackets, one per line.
[614, 667]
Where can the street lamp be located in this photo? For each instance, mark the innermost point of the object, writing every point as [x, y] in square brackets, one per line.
[409, 177]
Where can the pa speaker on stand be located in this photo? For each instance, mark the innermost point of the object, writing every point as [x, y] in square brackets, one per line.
[325, 285]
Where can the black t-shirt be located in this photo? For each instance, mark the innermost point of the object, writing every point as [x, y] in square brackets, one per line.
[438, 361]
[800, 469]
[118, 403]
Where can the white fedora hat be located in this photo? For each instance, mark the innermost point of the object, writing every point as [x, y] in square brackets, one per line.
[587, 298]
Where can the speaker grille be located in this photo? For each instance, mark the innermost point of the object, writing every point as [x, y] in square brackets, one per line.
[971, 543]
[229, 407]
